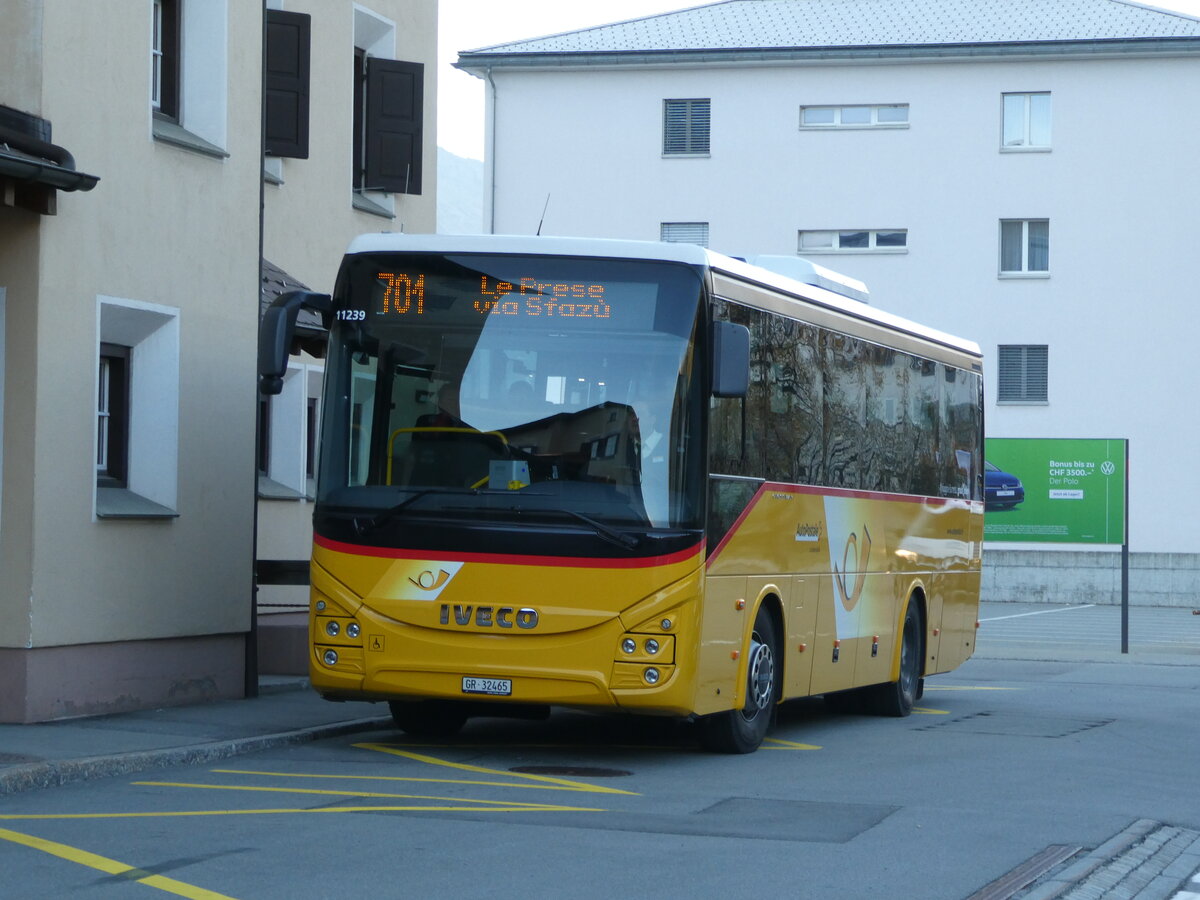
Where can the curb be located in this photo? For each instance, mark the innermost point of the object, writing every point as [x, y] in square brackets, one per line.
[32, 776]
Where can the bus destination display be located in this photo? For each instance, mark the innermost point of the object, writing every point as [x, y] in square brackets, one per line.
[404, 295]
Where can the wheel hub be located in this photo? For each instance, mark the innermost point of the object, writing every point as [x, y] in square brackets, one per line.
[761, 676]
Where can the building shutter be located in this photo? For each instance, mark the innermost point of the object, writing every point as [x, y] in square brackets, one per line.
[1024, 373]
[395, 104]
[285, 83]
[684, 233]
[685, 126]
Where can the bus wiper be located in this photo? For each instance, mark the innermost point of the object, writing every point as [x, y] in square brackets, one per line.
[365, 528]
[609, 534]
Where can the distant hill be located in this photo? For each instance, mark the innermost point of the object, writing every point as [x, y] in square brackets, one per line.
[460, 194]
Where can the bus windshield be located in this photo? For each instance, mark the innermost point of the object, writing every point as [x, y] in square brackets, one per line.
[501, 387]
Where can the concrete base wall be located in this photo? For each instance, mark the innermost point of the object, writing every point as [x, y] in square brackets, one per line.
[48, 683]
[283, 644]
[1077, 577]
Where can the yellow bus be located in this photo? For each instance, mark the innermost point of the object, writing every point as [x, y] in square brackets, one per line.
[631, 476]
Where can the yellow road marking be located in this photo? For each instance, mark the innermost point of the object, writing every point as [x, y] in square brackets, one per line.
[288, 790]
[786, 745]
[507, 784]
[566, 783]
[182, 814]
[111, 866]
[925, 711]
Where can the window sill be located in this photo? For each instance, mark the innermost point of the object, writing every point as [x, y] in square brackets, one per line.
[273, 490]
[271, 177]
[178, 136]
[121, 503]
[363, 204]
[1022, 276]
[1022, 402]
[687, 156]
[855, 251]
[1026, 149]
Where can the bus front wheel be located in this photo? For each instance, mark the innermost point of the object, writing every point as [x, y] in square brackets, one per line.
[743, 730]
[427, 718]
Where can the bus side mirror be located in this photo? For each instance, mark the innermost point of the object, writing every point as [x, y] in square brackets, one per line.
[731, 360]
[275, 334]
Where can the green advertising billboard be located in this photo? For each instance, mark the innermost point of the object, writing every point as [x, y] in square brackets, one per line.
[1069, 491]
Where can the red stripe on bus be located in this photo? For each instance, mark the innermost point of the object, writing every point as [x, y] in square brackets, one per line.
[501, 559]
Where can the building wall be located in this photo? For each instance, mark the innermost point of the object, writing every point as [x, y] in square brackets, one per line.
[1118, 198]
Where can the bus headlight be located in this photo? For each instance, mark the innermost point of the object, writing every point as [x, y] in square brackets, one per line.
[651, 676]
[330, 657]
[629, 645]
[652, 646]
[352, 630]
[332, 629]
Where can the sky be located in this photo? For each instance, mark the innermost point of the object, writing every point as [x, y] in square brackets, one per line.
[469, 24]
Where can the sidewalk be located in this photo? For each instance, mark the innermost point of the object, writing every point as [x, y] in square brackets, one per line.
[285, 712]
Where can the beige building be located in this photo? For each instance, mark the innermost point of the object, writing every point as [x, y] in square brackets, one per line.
[132, 253]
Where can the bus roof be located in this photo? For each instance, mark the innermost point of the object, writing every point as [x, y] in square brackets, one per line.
[822, 294]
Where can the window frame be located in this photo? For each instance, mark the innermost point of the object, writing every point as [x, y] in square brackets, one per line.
[838, 109]
[665, 230]
[1026, 249]
[836, 248]
[165, 44]
[1027, 130]
[686, 133]
[112, 416]
[1032, 386]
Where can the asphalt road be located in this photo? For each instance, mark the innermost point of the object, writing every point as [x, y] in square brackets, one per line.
[1004, 758]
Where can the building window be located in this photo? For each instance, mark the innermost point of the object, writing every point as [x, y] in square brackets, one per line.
[112, 416]
[1023, 373]
[137, 411]
[1026, 121]
[684, 233]
[1024, 246]
[880, 240]
[893, 115]
[685, 127]
[164, 59]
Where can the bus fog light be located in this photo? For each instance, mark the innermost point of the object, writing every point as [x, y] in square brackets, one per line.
[320, 605]
[330, 657]
[352, 630]
[628, 645]
[332, 628]
[651, 676]
[652, 646]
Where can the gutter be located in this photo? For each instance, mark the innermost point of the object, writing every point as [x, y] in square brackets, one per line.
[26, 158]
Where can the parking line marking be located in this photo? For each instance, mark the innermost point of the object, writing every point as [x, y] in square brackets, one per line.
[507, 784]
[111, 866]
[466, 767]
[281, 811]
[1040, 612]
[264, 789]
[926, 711]
[968, 687]
[786, 745]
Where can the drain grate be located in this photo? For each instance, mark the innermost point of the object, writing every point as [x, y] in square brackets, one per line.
[570, 771]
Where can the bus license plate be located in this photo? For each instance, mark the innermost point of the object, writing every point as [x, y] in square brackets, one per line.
[497, 687]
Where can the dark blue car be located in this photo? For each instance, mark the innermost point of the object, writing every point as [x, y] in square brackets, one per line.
[1000, 489]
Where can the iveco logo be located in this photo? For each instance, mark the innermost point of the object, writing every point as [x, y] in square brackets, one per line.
[489, 616]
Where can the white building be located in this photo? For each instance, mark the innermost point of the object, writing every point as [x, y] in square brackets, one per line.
[1022, 173]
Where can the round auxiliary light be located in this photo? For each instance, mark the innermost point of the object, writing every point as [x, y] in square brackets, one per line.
[352, 630]
[652, 646]
[628, 645]
[651, 676]
[330, 657]
[332, 628]
[320, 605]
[666, 624]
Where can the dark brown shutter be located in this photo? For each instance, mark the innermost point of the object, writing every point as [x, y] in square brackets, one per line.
[395, 101]
[285, 83]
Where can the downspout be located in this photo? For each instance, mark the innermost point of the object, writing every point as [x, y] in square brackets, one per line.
[492, 155]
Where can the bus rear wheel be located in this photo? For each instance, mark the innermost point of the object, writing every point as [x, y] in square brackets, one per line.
[898, 697]
[743, 730]
[427, 718]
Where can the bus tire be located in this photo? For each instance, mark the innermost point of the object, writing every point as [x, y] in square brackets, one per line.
[743, 730]
[897, 698]
[427, 718]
